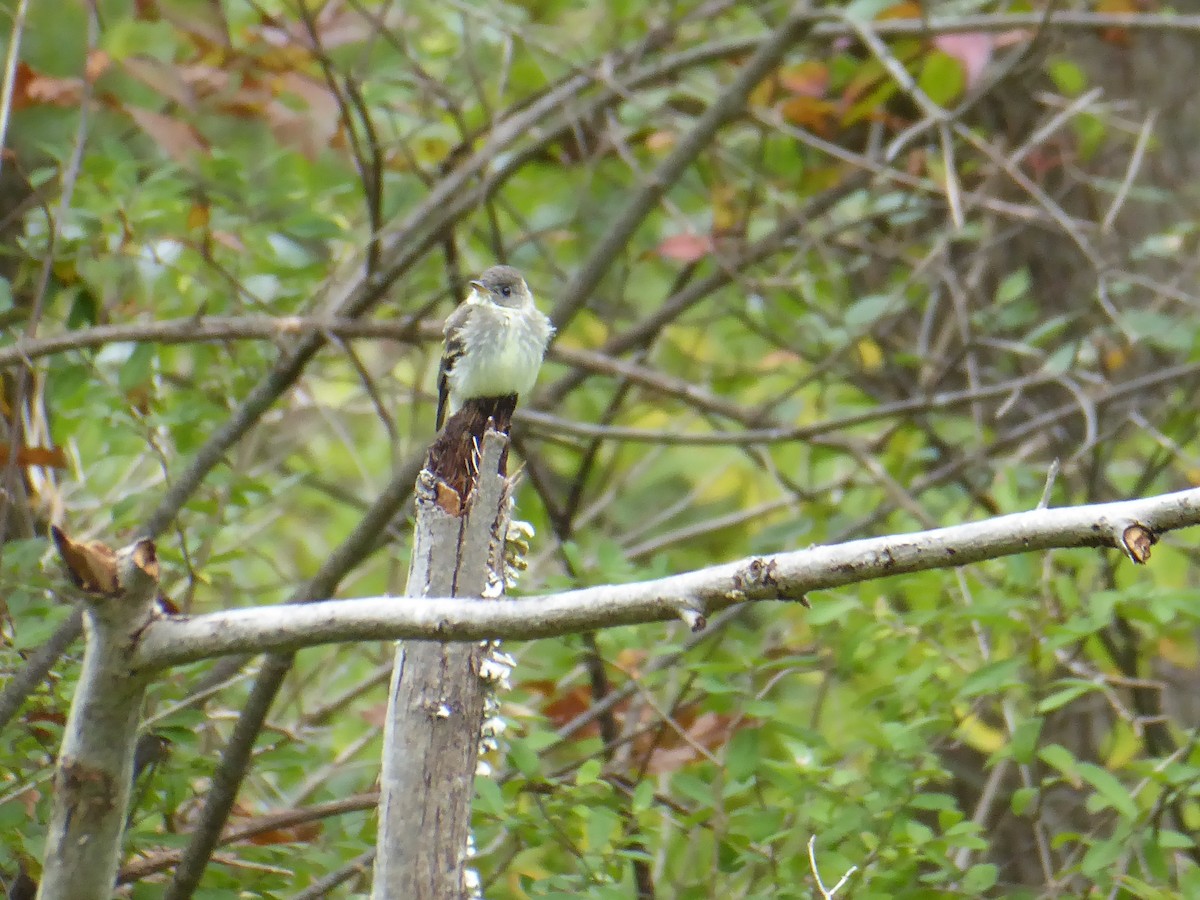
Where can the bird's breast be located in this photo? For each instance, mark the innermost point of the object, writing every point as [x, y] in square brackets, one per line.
[502, 356]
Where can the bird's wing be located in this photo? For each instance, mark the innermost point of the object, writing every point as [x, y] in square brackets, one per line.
[450, 354]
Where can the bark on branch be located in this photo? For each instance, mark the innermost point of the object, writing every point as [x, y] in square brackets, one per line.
[95, 764]
[1131, 526]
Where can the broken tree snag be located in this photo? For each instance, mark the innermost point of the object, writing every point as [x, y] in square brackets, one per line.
[454, 455]
[438, 695]
[95, 763]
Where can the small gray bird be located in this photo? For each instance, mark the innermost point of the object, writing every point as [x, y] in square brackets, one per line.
[495, 342]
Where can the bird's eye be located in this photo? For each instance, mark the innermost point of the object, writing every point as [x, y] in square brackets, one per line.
[506, 291]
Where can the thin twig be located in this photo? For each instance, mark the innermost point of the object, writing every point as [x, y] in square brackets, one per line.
[1051, 475]
[826, 893]
[1135, 163]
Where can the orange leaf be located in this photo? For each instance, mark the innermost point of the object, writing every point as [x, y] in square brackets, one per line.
[809, 79]
[809, 112]
[376, 714]
[50, 457]
[565, 707]
[97, 64]
[1118, 36]
[631, 659]
[293, 834]
[198, 215]
[33, 89]
[708, 730]
[659, 141]
[34, 720]
[909, 9]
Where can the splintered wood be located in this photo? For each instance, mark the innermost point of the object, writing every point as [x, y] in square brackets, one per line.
[454, 456]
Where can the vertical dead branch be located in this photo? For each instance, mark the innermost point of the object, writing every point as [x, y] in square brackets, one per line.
[95, 765]
[436, 703]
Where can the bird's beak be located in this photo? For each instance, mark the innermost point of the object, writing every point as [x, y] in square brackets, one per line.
[478, 285]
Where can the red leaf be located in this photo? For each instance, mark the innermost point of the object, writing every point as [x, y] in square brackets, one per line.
[973, 50]
[686, 247]
[179, 140]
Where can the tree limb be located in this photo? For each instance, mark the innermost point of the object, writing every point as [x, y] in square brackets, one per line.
[1130, 525]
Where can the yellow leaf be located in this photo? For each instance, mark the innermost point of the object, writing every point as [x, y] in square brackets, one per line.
[870, 354]
[724, 208]
[982, 737]
[1184, 653]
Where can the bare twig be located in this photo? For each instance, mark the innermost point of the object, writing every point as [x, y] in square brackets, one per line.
[826, 893]
[1135, 164]
[587, 277]
[1051, 475]
[10, 71]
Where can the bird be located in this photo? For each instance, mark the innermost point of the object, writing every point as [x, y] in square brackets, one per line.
[494, 342]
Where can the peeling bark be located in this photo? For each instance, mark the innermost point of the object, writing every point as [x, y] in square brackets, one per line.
[436, 702]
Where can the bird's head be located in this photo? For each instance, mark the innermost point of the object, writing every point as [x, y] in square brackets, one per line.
[504, 286]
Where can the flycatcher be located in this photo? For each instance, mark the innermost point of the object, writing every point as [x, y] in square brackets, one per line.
[495, 342]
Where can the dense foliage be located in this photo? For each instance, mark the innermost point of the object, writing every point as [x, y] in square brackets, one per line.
[925, 261]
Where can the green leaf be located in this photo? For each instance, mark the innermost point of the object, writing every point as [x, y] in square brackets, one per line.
[1022, 799]
[1075, 688]
[743, 754]
[1015, 284]
[1068, 77]
[991, 678]
[601, 824]
[1091, 132]
[138, 369]
[918, 833]
[489, 797]
[1024, 740]
[1109, 787]
[589, 772]
[980, 878]
[138, 37]
[942, 77]
[643, 796]
[521, 755]
[1098, 861]
[865, 312]
[1165, 331]
[1173, 840]
[866, 10]
[826, 609]
[1059, 757]
[933, 801]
